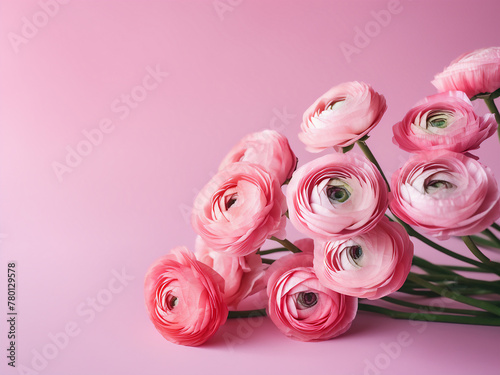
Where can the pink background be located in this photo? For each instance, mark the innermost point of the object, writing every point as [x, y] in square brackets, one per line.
[125, 203]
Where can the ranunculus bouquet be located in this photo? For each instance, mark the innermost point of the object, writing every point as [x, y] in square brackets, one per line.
[357, 226]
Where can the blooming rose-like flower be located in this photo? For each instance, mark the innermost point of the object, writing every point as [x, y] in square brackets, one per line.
[473, 73]
[341, 116]
[444, 121]
[239, 209]
[371, 265]
[243, 275]
[336, 196]
[300, 306]
[268, 149]
[446, 194]
[184, 298]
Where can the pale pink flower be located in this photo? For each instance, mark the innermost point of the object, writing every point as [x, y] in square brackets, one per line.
[184, 298]
[300, 306]
[370, 265]
[336, 196]
[446, 194]
[445, 121]
[239, 209]
[341, 116]
[268, 149]
[474, 73]
[243, 275]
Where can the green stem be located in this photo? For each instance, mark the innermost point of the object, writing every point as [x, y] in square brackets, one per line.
[268, 261]
[490, 103]
[428, 266]
[363, 146]
[447, 293]
[435, 308]
[483, 242]
[246, 313]
[495, 226]
[475, 320]
[466, 269]
[444, 250]
[287, 244]
[271, 251]
[488, 233]
[475, 250]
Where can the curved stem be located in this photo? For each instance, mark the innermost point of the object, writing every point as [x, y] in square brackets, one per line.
[287, 244]
[445, 292]
[434, 308]
[271, 251]
[362, 145]
[444, 250]
[488, 233]
[495, 226]
[480, 241]
[475, 250]
[475, 320]
[490, 103]
[268, 261]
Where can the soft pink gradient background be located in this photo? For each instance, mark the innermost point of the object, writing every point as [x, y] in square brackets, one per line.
[125, 204]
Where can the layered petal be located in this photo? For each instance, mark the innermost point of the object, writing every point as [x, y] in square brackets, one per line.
[341, 116]
[371, 265]
[300, 306]
[184, 298]
[336, 196]
[446, 194]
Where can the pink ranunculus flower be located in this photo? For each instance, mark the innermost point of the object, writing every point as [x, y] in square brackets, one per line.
[243, 276]
[370, 265]
[184, 298]
[300, 306]
[239, 209]
[336, 196]
[474, 73]
[446, 194]
[445, 121]
[268, 149]
[341, 116]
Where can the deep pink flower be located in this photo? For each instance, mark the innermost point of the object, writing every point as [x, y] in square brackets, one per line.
[336, 196]
[341, 116]
[243, 275]
[446, 194]
[445, 121]
[473, 73]
[370, 265]
[300, 306]
[184, 298]
[239, 209]
[268, 149]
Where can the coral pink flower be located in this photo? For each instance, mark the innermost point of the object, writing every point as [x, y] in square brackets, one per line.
[445, 121]
[446, 194]
[268, 149]
[243, 275]
[184, 298]
[300, 306]
[239, 209]
[341, 116]
[336, 196]
[473, 73]
[371, 265]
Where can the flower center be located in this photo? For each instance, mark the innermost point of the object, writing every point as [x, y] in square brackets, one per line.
[306, 300]
[335, 105]
[337, 191]
[230, 200]
[354, 254]
[434, 186]
[438, 120]
[172, 302]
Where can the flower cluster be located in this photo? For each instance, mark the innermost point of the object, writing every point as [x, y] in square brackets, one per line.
[356, 224]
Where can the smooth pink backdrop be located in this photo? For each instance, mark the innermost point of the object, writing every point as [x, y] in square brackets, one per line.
[234, 67]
